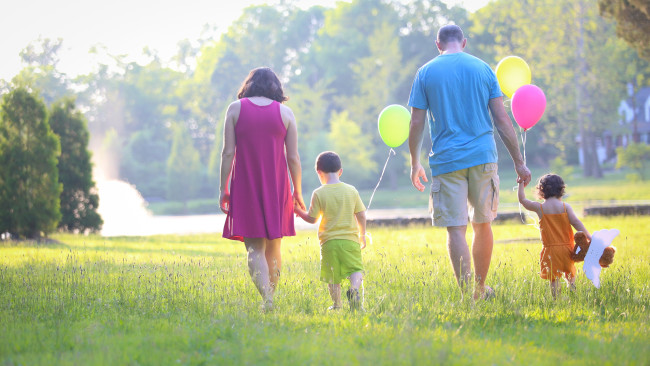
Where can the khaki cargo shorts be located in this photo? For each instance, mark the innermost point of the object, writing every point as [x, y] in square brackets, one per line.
[452, 193]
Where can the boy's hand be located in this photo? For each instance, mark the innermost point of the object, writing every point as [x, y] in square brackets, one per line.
[363, 241]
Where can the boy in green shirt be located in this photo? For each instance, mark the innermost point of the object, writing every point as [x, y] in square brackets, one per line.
[342, 230]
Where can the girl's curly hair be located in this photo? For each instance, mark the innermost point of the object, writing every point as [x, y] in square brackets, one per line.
[550, 185]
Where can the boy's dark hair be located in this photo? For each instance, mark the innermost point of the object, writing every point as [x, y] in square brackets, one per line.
[328, 162]
[550, 185]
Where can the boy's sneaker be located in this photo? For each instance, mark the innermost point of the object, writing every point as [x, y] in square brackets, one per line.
[354, 299]
[334, 308]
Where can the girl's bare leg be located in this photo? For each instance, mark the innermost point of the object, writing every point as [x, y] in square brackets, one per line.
[555, 288]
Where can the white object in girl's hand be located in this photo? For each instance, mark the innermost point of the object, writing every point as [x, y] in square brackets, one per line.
[600, 240]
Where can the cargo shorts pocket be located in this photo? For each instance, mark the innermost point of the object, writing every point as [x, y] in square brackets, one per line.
[434, 196]
[495, 192]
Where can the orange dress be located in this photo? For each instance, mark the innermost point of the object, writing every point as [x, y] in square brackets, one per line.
[557, 238]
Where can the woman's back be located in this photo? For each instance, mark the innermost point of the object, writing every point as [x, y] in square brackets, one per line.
[260, 195]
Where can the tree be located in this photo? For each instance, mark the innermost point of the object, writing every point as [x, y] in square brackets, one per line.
[346, 139]
[40, 73]
[183, 167]
[79, 198]
[29, 179]
[143, 162]
[633, 22]
[575, 58]
[635, 156]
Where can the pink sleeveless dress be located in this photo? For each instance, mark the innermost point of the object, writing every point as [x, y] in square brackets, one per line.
[261, 204]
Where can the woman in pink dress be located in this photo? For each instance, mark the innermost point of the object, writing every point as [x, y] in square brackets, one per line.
[260, 141]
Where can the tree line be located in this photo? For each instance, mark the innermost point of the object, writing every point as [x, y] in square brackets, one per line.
[158, 125]
[46, 178]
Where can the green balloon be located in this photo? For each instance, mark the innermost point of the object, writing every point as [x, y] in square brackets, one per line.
[394, 122]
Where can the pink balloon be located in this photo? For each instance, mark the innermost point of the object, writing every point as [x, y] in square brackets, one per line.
[528, 105]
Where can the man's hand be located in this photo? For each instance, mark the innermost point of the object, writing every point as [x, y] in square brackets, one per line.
[523, 174]
[417, 172]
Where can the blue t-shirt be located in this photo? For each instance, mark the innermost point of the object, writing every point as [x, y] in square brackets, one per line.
[456, 89]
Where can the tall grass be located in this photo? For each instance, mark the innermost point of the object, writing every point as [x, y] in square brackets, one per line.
[189, 300]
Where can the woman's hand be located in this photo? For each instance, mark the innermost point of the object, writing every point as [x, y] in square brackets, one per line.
[297, 200]
[224, 201]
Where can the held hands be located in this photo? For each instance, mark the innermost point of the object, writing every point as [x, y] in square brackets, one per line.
[297, 208]
[297, 200]
[417, 172]
[523, 174]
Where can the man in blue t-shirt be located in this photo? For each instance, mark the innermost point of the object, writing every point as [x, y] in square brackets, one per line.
[460, 91]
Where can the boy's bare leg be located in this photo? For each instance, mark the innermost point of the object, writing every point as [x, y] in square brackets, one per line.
[356, 279]
[356, 290]
[335, 294]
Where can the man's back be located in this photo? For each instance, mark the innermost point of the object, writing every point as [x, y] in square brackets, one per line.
[456, 89]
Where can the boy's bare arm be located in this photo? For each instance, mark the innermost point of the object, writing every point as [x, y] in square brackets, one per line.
[303, 214]
[361, 222]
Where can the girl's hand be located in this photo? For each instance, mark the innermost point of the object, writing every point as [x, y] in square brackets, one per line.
[224, 202]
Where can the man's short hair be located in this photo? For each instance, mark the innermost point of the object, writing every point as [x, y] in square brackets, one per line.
[450, 33]
[328, 162]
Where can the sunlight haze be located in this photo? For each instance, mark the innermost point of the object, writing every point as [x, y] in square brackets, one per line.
[121, 27]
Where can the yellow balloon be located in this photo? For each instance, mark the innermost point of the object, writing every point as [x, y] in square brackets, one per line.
[512, 73]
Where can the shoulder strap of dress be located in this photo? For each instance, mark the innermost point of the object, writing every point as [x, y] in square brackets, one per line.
[541, 207]
[564, 205]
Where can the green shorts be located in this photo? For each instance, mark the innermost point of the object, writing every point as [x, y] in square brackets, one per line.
[452, 193]
[339, 258]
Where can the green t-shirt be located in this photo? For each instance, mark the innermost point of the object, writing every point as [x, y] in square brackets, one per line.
[336, 203]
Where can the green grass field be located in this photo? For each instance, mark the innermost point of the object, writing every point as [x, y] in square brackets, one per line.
[189, 300]
[581, 192]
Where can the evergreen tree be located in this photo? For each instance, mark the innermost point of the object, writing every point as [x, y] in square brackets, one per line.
[79, 199]
[29, 179]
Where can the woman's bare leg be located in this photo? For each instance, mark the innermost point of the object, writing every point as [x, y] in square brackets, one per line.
[273, 261]
[258, 267]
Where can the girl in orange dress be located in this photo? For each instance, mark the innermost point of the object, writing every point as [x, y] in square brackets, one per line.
[556, 219]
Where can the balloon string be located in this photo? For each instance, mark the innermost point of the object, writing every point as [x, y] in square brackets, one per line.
[523, 141]
[391, 152]
[521, 213]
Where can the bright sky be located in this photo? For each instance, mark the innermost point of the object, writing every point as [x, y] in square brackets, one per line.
[121, 26]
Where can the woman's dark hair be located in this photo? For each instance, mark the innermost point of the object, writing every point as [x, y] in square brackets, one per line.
[550, 185]
[328, 162]
[262, 82]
